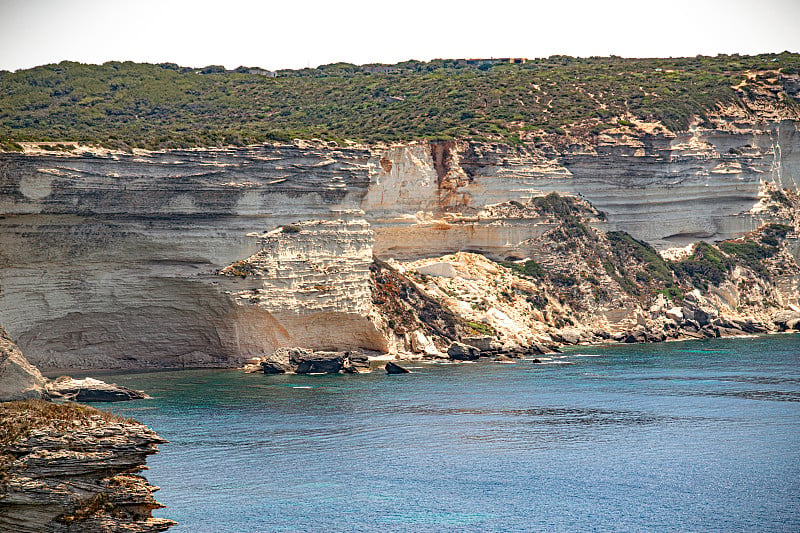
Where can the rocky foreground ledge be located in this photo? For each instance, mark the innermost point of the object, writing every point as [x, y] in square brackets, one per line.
[70, 467]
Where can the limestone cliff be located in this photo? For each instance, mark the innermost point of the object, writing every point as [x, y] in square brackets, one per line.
[72, 468]
[19, 379]
[133, 260]
[578, 284]
[309, 285]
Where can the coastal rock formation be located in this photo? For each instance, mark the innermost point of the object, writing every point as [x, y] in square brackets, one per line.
[91, 390]
[302, 361]
[19, 380]
[110, 260]
[192, 258]
[306, 274]
[394, 368]
[72, 468]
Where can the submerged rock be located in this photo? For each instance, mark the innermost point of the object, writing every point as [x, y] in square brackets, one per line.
[91, 390]
[394, 368]
[19, 379]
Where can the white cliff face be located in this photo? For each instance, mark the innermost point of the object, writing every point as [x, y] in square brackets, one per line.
[668, 190]
[111, 260]
[309, 284]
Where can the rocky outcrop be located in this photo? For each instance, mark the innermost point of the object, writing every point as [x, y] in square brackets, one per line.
[303, 361]
[19, 379]
[91, 390]
[394, 368]
[587, 286]
[72, 468]
[462, 352]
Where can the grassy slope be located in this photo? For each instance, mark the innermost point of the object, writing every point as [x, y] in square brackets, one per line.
[166, 106]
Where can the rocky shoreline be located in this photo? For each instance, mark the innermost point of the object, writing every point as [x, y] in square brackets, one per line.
[73, 468]
[67, 467]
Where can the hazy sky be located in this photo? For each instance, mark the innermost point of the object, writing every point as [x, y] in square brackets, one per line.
[292, 33]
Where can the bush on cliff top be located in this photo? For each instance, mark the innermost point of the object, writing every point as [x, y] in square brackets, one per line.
[128, 104]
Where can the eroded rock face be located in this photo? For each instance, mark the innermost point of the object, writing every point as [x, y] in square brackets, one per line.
[19, 380]
[303, 361]
[312, 279]
[71, 468]
[112, 261]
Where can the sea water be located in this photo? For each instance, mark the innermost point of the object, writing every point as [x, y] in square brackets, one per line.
[692, 436]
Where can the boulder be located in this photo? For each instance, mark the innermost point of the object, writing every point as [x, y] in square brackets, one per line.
[503, 359]
[691, 325]
[701, 316]
[783, 319]
[307, 362]
[356, 362]
[793, 324]
[656, 336]
[658, 306]
[750, 326]
[394, 368]
[272, 367]
[484, 343]
[463, 352]
[638, 335]
[421, 343]
[19, 379]
[675, 314]
[709, 331]
[570, 336]
[538, 349]
[722, 331]
[279, 362]
[91, 390]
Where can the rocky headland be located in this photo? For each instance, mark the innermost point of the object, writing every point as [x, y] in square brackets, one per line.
[638, 231]
[69, 467]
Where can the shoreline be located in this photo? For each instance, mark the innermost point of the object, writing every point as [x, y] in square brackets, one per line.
[99, 372]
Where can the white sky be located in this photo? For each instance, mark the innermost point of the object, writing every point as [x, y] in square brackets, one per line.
[294, 34]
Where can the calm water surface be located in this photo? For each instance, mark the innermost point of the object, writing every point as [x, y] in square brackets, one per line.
[700, 436]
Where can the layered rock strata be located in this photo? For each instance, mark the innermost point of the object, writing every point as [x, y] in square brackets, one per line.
[72, 468]
[308, 285]
[19, 379]
[111, 260]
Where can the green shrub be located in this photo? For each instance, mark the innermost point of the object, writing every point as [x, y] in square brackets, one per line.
[483, 329]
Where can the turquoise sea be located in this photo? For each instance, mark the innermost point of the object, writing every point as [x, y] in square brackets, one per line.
[693, 436]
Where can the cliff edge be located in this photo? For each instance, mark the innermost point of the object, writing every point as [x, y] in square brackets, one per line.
[71, 467]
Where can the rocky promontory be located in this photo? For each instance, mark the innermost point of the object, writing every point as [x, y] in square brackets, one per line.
[69, 467]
